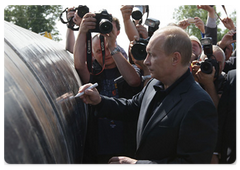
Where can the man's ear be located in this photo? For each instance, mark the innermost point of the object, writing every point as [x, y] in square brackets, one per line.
[176, 58]
[118, 32]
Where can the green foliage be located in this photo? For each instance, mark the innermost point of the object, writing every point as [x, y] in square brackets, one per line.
[37, 18]
[188, 10]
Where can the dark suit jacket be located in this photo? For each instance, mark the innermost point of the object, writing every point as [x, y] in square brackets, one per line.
[211, 32]
[227, 121]
[182, 130]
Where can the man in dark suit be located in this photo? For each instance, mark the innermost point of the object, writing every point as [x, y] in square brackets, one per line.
[226, 145]
[177, 120]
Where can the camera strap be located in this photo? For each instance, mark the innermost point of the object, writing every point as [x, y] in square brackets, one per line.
[70, 23]
[93, 70]
[60, 16]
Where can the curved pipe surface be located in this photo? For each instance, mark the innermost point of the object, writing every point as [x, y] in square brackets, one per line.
[42, 124]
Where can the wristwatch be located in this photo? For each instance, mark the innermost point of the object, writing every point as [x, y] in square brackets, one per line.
[116, 50]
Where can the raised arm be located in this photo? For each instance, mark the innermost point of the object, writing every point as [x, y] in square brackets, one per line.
[70, 38]
[88, 22]
[129, 26]
[125, 68]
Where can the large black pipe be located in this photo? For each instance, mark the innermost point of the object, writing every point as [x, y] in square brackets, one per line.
[41, 123]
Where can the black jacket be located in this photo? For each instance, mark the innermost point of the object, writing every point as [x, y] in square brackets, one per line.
[182, 130]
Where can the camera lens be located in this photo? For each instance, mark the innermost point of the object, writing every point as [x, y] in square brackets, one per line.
[137, 15]
[139, 51]
[105, 26]
[206, 67]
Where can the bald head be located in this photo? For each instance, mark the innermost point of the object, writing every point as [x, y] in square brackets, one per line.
[175, 40]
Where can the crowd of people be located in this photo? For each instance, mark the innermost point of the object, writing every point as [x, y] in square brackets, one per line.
[180, 115]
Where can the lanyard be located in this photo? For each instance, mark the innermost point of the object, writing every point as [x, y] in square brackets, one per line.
[89, 54]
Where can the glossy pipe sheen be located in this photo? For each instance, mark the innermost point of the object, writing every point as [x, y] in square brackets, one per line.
[42, 123]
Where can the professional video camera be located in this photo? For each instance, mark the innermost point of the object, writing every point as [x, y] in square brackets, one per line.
[103, 23]
[138, 11]
[139, 48]
[82, 10]
[206, 66]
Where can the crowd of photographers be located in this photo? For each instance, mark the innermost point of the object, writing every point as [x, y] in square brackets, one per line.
[100, 59]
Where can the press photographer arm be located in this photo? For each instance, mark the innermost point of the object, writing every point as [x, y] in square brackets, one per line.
[142, 31]
[70, 38]
[228, 23]
[129, 26]
[125, 68]
[227, 39]
[207, 81]
[209, 9]
[88, 22]
[183, 24]
[199, 23]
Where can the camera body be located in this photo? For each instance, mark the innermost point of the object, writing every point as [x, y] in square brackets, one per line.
[82, 10]
[191, 20]
[103, 23]
[153, 25]
[139, 49]
[207, 46]
[206, 66]
[138, 11]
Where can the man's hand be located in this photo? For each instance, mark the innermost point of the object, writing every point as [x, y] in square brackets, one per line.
[183, 24]
[111, 39]
[210, 10]
[91, 96]
[77, 19]
[199, 23]
[122, 160]
[206, 7]
[88, 22]
[228, 23]
[206, 79]
[227, 39]
[126, 12]
[142, 31]
[70, 13]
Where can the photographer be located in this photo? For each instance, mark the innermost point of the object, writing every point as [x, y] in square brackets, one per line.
[139, 63]
[138, 35]
[129, 25]
[226, 45]
[106, 137]
[70, 38]
[213, 86]
[211, 26]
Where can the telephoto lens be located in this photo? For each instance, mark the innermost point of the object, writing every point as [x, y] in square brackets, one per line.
[139, 49]
[138, 11]
[105, 26]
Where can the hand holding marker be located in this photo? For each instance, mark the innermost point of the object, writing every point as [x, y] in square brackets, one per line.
[91, 87]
